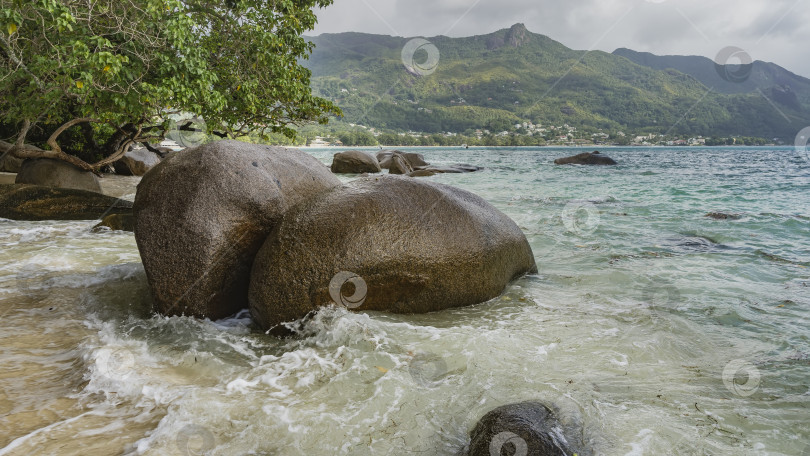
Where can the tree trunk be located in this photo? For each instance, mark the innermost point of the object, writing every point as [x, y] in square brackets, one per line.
[111, 151]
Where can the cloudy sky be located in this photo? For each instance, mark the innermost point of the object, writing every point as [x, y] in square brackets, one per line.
[770, 30]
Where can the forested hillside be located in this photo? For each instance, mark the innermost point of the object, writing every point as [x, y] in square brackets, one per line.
[513, 75]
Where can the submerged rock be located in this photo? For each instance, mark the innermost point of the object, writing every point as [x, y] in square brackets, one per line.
[453, 169]
[527, 428]
[36, 202]
[202, 214]
[57, 173]
[723, 216]
[425, 172]
[587, 158]
[116, 222]
[136, 162]
[386, 243]
[355, 162]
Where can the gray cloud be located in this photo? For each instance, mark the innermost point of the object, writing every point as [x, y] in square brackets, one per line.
[771, 31]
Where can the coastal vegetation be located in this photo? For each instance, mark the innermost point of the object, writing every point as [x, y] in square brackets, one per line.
[83, 81]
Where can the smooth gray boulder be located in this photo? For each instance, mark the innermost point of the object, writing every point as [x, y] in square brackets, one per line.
[527, 428]
[399, 165]
[57, 173]
[10, 163]
[414, 159]
[37, 202]
[416, 246]
[202, 214]
[136, 162]
[354, 162]
[384, 157]
[587, 158]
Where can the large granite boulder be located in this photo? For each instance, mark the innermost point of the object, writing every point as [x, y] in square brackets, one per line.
[527, 428]
[587, 158]
[136, 162]
[57, 173]
[36, 202]
[397, 244]
[355, 162]
[202, 214]
[10, 163]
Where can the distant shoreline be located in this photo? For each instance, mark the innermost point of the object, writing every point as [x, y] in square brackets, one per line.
[594, 147]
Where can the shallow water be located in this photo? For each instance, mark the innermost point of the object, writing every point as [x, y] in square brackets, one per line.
[651, 328]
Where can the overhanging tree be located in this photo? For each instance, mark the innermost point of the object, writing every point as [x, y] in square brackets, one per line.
[118, 69]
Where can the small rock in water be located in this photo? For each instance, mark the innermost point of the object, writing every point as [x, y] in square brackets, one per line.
[36, 202]
[116, 222]
[136, 162]
[587, 158]
[452, 169]
[400, 165]
[354, 162]
[523, 429]
[385, 157]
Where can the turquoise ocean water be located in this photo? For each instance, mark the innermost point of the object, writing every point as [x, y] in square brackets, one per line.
[652, 328]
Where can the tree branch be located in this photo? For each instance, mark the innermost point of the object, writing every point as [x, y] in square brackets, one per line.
[23, 133]
[60, 130]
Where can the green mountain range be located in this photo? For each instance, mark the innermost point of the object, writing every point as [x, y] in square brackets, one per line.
[513, 75]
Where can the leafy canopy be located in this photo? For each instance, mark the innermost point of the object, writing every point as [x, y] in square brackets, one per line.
[126, 65]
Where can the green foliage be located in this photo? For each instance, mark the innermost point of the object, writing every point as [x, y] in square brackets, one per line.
[132, 63]
[357, 138]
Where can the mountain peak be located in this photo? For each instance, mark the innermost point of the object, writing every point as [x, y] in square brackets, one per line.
[519, 27]
[515, 37]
